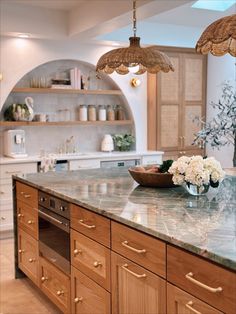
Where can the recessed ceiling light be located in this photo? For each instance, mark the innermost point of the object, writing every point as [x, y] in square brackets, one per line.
[23, 35]
[214, 5]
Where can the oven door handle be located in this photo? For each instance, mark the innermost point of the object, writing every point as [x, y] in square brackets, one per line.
[50, 217]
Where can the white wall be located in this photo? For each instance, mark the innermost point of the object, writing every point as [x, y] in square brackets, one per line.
[219, 69]
[19, 56]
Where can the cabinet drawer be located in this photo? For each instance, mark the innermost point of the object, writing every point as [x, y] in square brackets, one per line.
[27, 218]
[202, 279]
[7, 171]
[87, 296]
[27, 194]
[55, 284]
[91, 224]
[91, 258]
[140, 248]
[28, 255]
[6, 220]
[181, 302]
[84, 164]
[6, 191]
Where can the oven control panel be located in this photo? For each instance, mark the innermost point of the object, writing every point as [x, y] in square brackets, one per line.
[54, 204]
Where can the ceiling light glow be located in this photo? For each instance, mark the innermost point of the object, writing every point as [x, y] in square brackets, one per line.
[214, 5]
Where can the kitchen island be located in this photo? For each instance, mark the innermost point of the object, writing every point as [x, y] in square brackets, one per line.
[181, 224]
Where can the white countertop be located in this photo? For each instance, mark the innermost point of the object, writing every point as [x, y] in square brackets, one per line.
[88, 155]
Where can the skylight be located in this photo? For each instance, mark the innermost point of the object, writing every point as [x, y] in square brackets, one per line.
[215, 5]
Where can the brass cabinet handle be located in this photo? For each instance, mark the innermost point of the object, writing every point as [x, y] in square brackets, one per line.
[81, 222]
[79, 299]
[20, 215]
[31, 260]
[44, 279]
[27, 196]
[30, 222]
[96, 264]
[1, 192]
[189, 306]
[76, 251]
[60, 292]
[3, 218]
[125, 267]
[21, 251]
[125, 244]
[181, 139]
[189, 276]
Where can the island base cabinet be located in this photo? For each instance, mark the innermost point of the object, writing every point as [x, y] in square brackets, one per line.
[181, 302]
[55, 284]
[136, 290]
[28, 259]
[87, 296]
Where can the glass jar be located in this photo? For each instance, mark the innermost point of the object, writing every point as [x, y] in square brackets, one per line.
[120, 114]
[92, 113]
[110, 113]
[83, 113]
[102, 114]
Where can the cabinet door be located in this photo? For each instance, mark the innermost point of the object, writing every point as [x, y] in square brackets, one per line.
[180, 302]
[27, 218]
[87, 296]
[136, 290]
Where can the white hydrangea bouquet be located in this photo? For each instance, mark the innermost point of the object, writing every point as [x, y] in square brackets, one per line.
[197, 173]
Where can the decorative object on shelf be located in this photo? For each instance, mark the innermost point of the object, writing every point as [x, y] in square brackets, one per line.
[135, 82]
[219, 37]
[20, 112]
[107, 144]
[221, 130]
[110, 113]
[123, 142]
[102, 113]
[153, 175]
[83, 113]
[120, 114]
[196, 173]
[134, 58]
[92, 114]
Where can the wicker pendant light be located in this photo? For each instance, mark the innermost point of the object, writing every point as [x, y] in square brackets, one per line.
[122, 60]
[219, 37]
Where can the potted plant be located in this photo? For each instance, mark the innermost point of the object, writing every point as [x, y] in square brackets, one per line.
[123, 142]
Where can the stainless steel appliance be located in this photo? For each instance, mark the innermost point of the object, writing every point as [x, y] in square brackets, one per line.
[60, 165]
[54, 230]
[120, 163]
[14, 143]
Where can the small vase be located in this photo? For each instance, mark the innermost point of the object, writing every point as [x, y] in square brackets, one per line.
[195, 189]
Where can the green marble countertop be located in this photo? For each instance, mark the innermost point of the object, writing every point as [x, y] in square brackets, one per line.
[204, 225]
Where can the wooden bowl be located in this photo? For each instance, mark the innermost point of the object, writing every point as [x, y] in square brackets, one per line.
[151, 179]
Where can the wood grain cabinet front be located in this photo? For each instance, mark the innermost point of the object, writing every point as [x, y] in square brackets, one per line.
[203, 279]
[87, 296]
[90, 224]
[27, 194]
[136, 290]
[91, 258]
[28, 259]
[55, 284]
[140, 248]
[27, 218]
[181, 302]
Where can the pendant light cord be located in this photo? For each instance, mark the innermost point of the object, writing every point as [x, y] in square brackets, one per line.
[134, 18]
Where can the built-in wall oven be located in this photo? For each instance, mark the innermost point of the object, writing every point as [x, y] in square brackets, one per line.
[54, 230]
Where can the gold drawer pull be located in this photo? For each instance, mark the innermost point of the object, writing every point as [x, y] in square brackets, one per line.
[27, 196]
[30, 222]
[97, 264]
[31, 260]
[76, 251]
[81, 222]
[125, 244]
[20, 215]
[3, 218]
[125, 267]
[79, 299]
[189, 276]
[60, 292]
[189, 306]
[21, 251]
[1, 192]
[44, 279]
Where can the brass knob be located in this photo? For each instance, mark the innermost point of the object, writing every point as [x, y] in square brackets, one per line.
[76, 251]
[3, 218]
[20, 251]
[97, 264]
[60, 292]
[44, 279]
[20, 215]
[30, 222]
[79, 299]
[31, 260]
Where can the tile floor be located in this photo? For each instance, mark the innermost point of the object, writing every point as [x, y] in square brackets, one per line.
[19, 296]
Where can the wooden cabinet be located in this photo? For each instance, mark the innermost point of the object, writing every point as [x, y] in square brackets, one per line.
[27, 218]
[28, 258]
[181, 302]
[136, 290]
[174, 99]
[206, 281]
[55, 284]
[87, 296]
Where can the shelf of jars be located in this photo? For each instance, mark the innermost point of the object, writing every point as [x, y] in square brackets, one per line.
[57, 123]
[66, 91]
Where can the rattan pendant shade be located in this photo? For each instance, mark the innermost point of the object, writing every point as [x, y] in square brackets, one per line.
[148, 59]
[219, 38]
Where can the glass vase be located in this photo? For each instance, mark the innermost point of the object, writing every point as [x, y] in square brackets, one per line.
[195, 189]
